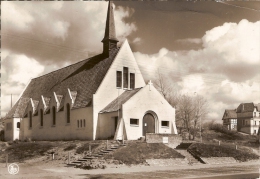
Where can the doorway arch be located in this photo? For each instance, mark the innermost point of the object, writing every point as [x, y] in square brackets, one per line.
[150, 123]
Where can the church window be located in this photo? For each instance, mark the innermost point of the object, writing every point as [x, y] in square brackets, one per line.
[30, 119]
[18, 125]
[118, 79]
[134, 121]
[53, 116]
[132, 80]
[125, 71]
[68, 112]
[41, 117]
[165, 123]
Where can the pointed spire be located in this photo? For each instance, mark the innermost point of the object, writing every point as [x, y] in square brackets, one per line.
[109, 40]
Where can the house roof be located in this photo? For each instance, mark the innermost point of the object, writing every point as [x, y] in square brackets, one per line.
[245, 107]
[119, 101]
[230, 114]
[257, 106]
[83, 78]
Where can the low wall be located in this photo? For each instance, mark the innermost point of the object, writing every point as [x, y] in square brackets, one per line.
[172, 140]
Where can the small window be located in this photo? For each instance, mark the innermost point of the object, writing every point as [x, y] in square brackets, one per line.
[119, 79]
[18, 125]
[53, 116]
[134, 122]
[125, 71]
[30, 119]
[68, 112]
[41, 117]
[132, 81]
[165, 123]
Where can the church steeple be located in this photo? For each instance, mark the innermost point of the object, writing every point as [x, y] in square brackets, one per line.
[109, 40]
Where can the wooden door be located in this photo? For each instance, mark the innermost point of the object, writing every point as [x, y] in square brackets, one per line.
[148, 124]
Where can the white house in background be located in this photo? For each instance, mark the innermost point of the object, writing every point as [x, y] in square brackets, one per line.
[230, 119]
[102, 97]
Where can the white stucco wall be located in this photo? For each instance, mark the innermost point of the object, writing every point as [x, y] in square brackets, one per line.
[108, 91]
[148, 99]
[106, 125]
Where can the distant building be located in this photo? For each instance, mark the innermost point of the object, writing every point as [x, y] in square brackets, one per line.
[230, 119]
[248, 118]
[102, 97]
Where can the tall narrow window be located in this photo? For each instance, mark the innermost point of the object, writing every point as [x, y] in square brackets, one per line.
[68, 112]
[18, 125]
[53, 116]
[132, 80]
[41, 116]
[125, 71]
[118, 79]
[30, 119]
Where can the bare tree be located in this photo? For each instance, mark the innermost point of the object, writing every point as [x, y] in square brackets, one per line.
[190, 112]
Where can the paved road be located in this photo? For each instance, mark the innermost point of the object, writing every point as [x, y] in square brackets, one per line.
[231, 171]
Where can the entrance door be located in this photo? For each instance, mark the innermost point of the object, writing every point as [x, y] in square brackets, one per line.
[148, 124]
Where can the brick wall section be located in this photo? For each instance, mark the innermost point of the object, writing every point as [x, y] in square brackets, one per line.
[173, 139]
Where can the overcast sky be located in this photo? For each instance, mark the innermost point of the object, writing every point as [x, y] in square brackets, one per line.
[211, 48]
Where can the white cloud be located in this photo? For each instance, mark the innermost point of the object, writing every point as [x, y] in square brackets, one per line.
[190, 40]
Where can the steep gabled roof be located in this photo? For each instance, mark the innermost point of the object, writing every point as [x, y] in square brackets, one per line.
[245, 107]
[230, 114]
[257, 106]
[117, 103]
[83, 77]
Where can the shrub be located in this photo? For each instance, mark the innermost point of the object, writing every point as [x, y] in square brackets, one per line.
[92, 164]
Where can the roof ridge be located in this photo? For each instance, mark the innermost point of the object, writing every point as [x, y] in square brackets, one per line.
[65, 67]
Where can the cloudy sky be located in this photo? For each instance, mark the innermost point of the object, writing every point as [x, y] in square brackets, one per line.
[211, 47]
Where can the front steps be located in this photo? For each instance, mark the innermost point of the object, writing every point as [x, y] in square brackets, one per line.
[101, 153]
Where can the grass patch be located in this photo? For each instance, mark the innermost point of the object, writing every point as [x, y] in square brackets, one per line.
[25, 150]
[70, 147]
[85, 148]
[212, 150]
[137, 153]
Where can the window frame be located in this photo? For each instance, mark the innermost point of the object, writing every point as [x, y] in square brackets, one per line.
[134, 122]
[125, 77]
[165, 126]
[132, 80]
[119, 79]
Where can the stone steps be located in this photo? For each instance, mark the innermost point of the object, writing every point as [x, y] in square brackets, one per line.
[188, 156]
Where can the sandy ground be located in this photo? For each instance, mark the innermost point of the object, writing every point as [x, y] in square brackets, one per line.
[58, 169]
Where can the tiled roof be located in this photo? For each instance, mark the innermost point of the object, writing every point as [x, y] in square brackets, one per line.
[245, 107]
[117, 103]
[83, 77]
[230, 114]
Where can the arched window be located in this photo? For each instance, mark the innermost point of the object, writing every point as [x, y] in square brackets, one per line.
[18, 125]
[68, 112]
[53, 115]
[30, 119]
[41, 117]
[81, 123]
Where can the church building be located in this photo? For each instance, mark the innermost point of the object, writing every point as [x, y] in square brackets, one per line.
[102, 97]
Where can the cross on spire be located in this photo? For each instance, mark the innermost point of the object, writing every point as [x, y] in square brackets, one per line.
[109, 40]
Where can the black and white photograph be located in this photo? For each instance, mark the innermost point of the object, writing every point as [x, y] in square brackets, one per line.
[130, 89]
